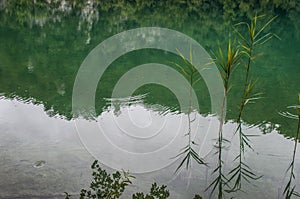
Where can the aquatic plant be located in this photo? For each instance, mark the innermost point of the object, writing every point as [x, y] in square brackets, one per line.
[156, 192]
[289, 189]
[112, 186]
[190, 72]
[226, 61]
[104, 185]
[255, 38]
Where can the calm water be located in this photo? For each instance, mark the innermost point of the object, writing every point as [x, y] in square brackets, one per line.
[43, 155]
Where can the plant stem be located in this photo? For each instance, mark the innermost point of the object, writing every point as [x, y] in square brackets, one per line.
[188, 150]
[246, 84]
[190, 107]
[220, 145]
[293, 160]
[239, 118]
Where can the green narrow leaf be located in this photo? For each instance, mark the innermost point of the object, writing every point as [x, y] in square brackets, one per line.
[264, 27]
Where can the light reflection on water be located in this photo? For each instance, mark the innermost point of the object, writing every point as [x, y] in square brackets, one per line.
[30, 137]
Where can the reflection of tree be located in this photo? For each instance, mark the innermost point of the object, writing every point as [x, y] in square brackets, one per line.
[40, 12]
[89, 15]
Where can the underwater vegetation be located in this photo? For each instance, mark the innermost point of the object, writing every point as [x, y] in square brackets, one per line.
[112, 186]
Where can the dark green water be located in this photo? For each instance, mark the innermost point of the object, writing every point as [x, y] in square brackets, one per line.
[40, 58]
[43, 45]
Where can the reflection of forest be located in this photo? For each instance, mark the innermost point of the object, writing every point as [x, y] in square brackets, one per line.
[43, 44]
[40, 12]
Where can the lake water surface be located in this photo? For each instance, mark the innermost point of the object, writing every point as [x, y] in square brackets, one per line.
[46, 150]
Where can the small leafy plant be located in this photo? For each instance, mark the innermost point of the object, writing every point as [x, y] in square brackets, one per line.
[104, 185]
[156, 192]
[112, 186]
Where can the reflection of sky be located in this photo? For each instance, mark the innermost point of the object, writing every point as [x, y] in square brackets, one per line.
[29, 135]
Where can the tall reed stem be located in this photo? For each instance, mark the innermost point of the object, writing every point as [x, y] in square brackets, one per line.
[226, 64]
[289, 190]
[189, 70]
[255, 38]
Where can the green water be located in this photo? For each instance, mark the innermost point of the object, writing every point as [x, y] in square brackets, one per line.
[42, 47]
[40, 62]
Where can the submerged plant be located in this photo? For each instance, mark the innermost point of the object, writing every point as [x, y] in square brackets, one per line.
[190, 72]
[112, 186]
[289, 190]
[104, 185]
[226, 62]
[156, 192]
[255, 38]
